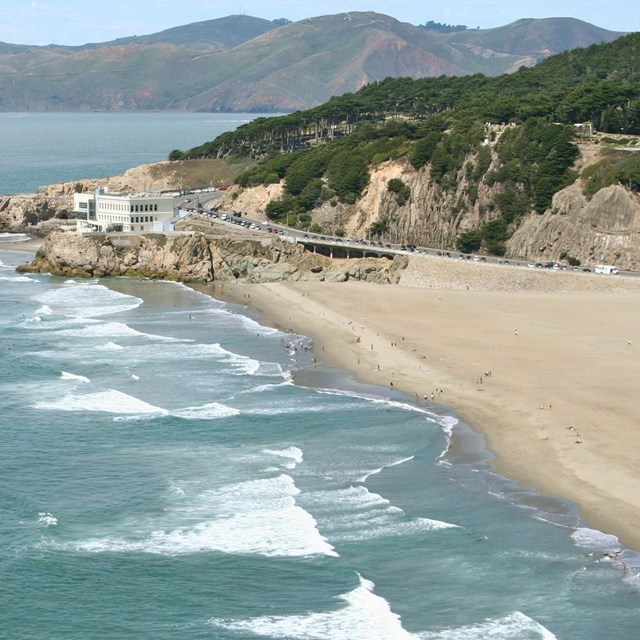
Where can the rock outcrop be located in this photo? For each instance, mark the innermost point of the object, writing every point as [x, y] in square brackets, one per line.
[605, 229]
[198, 258]
[33, 212]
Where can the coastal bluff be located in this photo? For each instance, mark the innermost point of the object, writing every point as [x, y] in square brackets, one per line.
[195, 257]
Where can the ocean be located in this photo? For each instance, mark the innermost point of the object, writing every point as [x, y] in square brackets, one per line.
[47, 148]
[173, 468]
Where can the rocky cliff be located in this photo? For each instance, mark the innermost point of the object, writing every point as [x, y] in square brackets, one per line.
[605, 229]
[431, 217]
[198, 258]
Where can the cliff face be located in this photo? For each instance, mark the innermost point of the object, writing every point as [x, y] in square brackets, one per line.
[605, 229]
[196, 258]
[431, 217]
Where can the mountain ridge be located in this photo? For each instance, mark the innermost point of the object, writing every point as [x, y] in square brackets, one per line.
[240, 63]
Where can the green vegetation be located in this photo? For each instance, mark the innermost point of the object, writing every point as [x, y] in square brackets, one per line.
[535, 161]
[401, 190]
[622, 168]
[491, 235]
[379, 228]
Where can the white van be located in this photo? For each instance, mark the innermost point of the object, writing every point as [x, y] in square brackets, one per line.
[607, 269]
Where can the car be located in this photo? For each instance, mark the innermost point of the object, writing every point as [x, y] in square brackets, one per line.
[587, 270]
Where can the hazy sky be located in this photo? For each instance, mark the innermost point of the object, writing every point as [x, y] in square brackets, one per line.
[74, 22]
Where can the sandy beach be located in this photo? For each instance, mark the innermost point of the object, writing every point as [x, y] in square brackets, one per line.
[31, 245]
[545, 364]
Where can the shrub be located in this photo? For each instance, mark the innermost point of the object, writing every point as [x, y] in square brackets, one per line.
[401, 190]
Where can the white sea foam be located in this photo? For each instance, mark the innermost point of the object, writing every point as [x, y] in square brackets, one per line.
[72, 376]
[386, 466]
[292, 455]
[211, 411]
[110, 346]
[445, 422]
[87, 300]
[13, 237]
[262, 388]
[514, 626]
[593, 539]
[103, 330]
[355, 513]
[17, 279]
[363, 615]
[243, 365]
[254, 517]
[45, 520]
[44, 310]
[111, 401]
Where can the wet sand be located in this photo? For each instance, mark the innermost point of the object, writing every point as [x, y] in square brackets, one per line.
[31, 245]
[546, 365]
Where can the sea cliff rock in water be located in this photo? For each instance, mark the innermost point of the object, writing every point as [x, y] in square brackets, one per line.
[197, 258]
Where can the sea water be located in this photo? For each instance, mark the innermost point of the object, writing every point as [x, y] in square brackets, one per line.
[163, 476]
[46, 148]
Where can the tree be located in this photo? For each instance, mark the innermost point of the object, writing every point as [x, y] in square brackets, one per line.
[469, 241]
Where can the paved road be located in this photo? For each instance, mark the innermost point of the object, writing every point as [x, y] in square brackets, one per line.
[207, 200]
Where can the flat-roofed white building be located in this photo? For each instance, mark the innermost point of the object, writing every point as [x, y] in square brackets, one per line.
[105, 212]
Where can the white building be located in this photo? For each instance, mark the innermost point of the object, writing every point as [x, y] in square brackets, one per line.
[106, 212]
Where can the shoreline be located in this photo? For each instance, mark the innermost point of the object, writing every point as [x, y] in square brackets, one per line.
[548, 377]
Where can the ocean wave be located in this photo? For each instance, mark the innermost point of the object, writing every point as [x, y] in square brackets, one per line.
[72, 376]
[262, 388]
[110, 346]
[44, 310]
[355, 513]
[45, 520]
[244, 365]
[515, 625]
[211, 411]
[87, 300]
[363, 615]
[248, 323]
[111, 401]
[594, 539]
[386, 466]
[284, 407]
[17, 279]
[258, 517]
[446, 422]
[292, 455]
